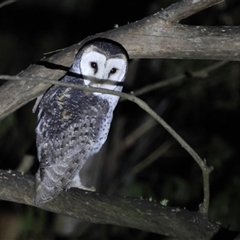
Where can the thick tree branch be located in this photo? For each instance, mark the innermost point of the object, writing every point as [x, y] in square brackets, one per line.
[106, 209]
[185, 8]
[151, 37]
[122, 211]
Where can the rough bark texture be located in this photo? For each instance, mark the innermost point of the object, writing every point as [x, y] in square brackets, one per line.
[107, 209]
[151, 37]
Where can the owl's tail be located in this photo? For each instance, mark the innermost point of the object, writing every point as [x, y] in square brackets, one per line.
[45, 191]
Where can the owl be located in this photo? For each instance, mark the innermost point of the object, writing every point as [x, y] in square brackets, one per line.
[73, 124]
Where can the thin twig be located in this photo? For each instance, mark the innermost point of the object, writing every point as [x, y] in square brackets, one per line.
[202, 164]
[203, 73]
[132, 137]
[151, 158]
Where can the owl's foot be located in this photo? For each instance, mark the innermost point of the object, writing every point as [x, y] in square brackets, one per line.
[76, 183]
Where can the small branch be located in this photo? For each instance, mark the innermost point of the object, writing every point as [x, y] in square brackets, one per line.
[151, 158]
[6, 3]
[142, 105]
[203, 208]
[203, 73]
[132, 137]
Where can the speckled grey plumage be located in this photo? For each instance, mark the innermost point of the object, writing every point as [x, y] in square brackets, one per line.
[72, 126]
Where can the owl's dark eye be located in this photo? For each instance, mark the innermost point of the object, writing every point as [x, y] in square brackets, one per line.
[113, 70]
[94, 66]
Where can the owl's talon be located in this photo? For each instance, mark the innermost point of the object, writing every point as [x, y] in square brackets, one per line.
[76, 183]
[91, 189]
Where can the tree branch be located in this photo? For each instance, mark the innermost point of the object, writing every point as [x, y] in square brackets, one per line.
[184, 9]
[106, 209]
[203, 73]
[122, 211]
[151, 37]
[3, 4]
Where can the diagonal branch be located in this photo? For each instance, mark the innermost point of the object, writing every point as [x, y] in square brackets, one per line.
[186, 8]
[151, 37]
[7, 3]
[202, 164]
[203, 73]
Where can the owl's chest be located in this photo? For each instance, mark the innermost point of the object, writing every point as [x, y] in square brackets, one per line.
[72, 106]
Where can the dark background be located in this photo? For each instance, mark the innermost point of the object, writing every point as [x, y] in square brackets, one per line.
[204, 111]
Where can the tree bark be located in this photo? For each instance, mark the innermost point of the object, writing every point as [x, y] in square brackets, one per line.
[145, 215]
[156, 36]
[108, 209]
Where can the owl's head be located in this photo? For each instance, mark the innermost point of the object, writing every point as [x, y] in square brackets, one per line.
[102, 63]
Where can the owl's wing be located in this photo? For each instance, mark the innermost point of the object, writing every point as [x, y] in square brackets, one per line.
[62, 154]
[60, 159]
